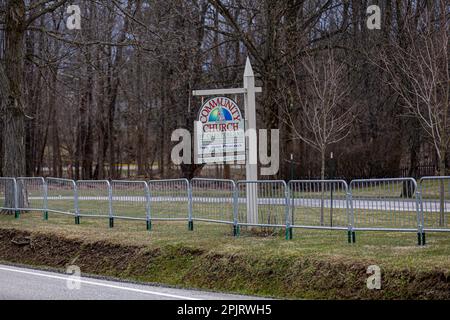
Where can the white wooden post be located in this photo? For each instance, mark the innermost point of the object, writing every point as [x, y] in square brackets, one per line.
[251, 167]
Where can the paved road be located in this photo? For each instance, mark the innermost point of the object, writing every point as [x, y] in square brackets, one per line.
[394, 204]
[23, 283]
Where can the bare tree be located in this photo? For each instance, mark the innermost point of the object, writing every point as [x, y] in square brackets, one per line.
[418, 71]
[321, 111]
[419, 74]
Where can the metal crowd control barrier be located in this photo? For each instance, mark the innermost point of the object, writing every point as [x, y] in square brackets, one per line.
[213, 200]
[62, 196]
[319, 204]
[31, 195]
[94, 199]
[396, 204]
[170, 200]
[8, 193]
[435, 203]
[131, 200]
[386, 205]
[271, 204]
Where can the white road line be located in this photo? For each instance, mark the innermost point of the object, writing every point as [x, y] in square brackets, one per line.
[99, 284]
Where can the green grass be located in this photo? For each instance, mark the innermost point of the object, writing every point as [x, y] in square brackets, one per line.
[314, 264]
[432, 188]
[270, 214]
[396, 250]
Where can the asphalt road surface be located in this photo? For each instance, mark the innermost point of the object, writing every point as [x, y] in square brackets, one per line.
[394, 204]
[30, 284]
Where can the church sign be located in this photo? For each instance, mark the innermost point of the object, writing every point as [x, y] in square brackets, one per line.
[220, 132]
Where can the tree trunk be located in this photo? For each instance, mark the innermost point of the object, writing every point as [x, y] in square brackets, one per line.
[412, 127]
[445, 90]
[11, 99]
[442, 187]
[141, 141]
[56, 146]
[322, 185]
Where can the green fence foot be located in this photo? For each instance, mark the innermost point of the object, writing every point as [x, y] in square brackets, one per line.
[77, 220]
[236, 230]
[111, 222]
[349, 236]
[16, 214]
[45, 215]
[190, 225]
[353, 236]
[288, 233]
[149, 225]
[421, 239]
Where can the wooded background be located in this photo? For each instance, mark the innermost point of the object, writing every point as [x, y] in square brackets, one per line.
[102, 102]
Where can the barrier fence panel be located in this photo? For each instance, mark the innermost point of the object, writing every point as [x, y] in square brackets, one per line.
[31, 194]
[272, 203]
[61, 196]
[94, 199]
[213, 200]
[131, 200]
[7, 194]
[385, 205]
[435, 203]
[170, 200]
[319, 204]
[393, 204]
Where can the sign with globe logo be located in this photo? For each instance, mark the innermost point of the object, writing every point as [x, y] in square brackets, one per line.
[221, 132]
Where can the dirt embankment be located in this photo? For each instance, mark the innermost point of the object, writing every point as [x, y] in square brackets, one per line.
[289, 277]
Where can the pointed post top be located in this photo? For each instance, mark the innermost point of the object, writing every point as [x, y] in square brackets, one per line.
[248, 72]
